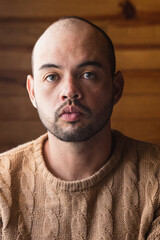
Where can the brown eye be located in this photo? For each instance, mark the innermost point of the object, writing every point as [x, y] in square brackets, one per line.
[89, 75]
[52, 78]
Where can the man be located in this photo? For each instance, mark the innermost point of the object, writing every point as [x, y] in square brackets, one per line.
[81, 180]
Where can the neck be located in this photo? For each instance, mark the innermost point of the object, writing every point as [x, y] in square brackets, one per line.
[76, 161]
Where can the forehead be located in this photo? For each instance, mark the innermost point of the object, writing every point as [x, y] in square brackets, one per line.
[65, 40]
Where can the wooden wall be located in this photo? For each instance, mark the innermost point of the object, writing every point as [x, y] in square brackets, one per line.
[134, 27]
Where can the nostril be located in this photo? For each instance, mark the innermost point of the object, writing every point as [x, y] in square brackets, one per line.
[75, 96]
[65, 97]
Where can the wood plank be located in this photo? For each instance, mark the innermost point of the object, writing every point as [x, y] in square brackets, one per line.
[127, 59]
[141, 83]
[54, 8]
[129, 107]
[147, 130]
[138, 59]
[14, 133]
[137, 107]
[22, 34]
[17, 132]
[12, 88]
[15, 108]
[14, 59]
[147, 5]
[13, 83]
[138, 36]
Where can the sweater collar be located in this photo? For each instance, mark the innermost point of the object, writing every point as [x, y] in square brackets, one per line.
[79, 185]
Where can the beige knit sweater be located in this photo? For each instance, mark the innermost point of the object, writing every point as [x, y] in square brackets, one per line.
[120, 201]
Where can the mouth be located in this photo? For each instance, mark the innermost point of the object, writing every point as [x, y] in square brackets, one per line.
[71, 114]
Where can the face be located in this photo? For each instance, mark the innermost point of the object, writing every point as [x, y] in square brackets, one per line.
[72, 87]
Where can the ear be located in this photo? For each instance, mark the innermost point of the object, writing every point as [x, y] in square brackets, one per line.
[118, 84]
[30, 89]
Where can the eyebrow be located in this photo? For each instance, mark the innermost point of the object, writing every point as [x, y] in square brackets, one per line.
[90, 63]
[84, 64]
[49, 65]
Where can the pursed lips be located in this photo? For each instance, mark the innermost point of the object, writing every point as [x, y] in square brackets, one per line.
[71, 114]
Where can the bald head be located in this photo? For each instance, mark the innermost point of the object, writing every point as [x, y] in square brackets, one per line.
[76, 25]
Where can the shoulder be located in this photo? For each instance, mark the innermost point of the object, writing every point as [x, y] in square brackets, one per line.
[144, 150]
[141, 147]
[15, 156]
[143, 155]
[16, 165]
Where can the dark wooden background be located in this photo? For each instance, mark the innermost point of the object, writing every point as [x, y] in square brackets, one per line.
[134, 27]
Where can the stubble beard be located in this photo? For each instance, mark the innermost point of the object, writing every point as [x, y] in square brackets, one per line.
[78, 132]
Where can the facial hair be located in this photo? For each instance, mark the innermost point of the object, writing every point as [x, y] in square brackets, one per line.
[79, 132]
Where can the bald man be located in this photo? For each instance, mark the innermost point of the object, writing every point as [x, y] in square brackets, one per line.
[81, 180]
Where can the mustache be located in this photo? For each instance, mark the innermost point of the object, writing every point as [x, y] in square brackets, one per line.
[75, 103]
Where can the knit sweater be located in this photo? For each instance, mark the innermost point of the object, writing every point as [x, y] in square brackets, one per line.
[120, 201]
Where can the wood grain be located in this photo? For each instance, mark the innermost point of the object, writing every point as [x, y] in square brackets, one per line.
[53, 9]
[147, 130]
[25, 34]
[90, 8]
[15, 59]
[12, 83]
[129, 107]
[21, 34]
[127, 59]
[141, 36]
[134, 27]
[137, 107]
[141, 83]
[138, 59]
[17, 132]
[17, 108]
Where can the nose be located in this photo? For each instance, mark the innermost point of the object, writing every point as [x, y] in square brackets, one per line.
[70, 89]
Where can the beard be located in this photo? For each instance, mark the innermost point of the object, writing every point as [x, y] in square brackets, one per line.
[77, 132]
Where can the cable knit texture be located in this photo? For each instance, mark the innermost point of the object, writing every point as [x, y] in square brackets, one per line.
[121, 201]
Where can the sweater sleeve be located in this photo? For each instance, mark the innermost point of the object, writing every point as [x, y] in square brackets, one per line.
[0, 227]
[5, 192]
[154, 232]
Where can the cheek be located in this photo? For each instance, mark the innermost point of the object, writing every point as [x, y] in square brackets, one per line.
[45, 103]
[99, 96]
[45, 95]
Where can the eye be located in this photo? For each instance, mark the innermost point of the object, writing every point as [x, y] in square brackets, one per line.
[89, 75]
[52, 77]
